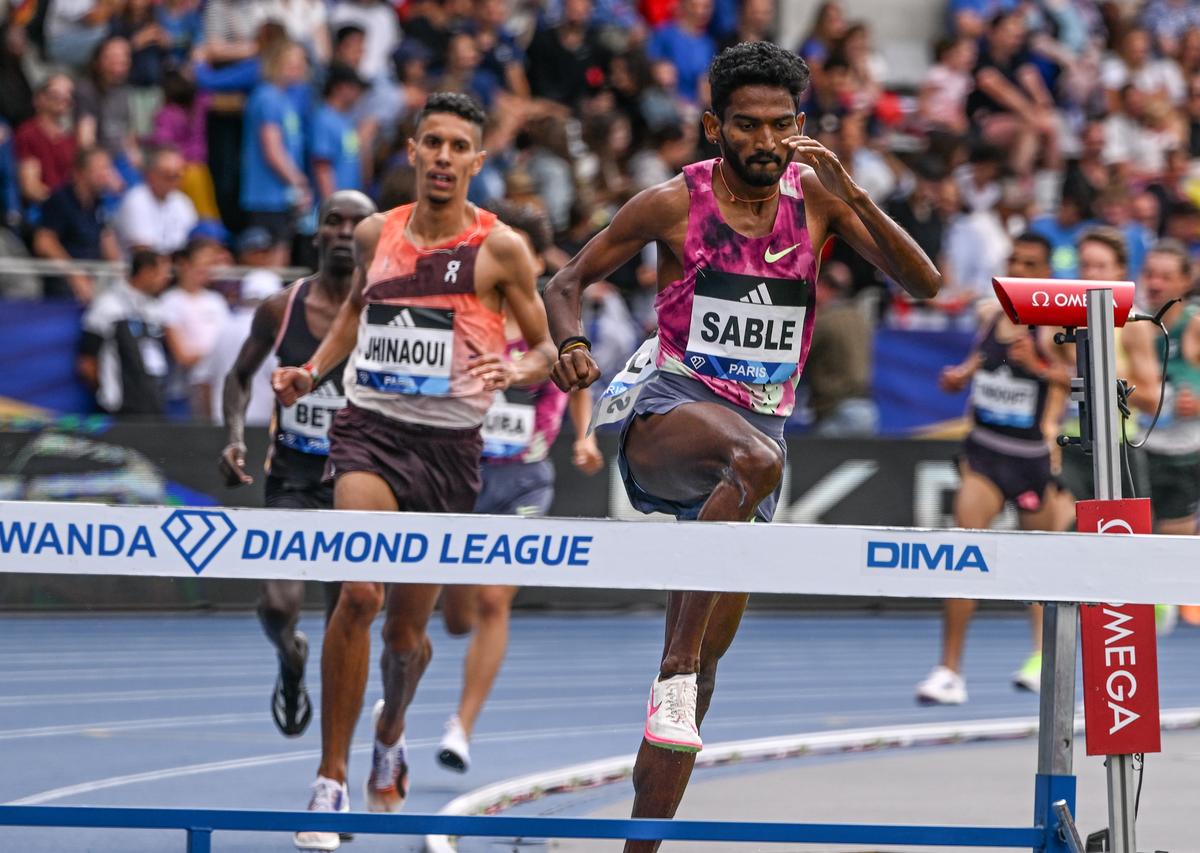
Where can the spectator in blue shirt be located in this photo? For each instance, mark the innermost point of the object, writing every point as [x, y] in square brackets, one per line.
[10, 195]
[501, 53]
[181, 21]
[274, 187]
[74, 225]
[334, 147]
[1063, 230]
[685, 43]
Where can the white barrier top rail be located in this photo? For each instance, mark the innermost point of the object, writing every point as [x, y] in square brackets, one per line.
[77, 538]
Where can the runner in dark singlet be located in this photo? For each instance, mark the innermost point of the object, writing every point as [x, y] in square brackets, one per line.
[291, 324]
[1018, 396]
[423, 321]
[738, 240]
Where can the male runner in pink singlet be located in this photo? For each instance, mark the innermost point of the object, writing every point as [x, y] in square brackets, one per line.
[738, 239]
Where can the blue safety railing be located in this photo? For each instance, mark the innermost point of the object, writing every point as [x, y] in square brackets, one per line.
[199, 824]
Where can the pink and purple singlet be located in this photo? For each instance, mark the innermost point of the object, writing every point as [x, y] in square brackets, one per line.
[740, 320]
[736, 329]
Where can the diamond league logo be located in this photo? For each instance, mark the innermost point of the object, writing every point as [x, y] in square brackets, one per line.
[198, 535]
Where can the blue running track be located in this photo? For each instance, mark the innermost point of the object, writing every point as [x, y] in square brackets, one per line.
[173, 710]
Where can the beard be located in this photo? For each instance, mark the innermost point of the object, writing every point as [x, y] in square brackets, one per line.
[744, 168]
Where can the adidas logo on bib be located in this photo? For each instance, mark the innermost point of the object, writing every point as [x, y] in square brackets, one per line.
[403, 318]
[759, 295]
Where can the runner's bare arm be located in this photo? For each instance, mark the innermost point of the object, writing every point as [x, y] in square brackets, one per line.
[646, 217]
[852, 215]
[518, 288]
[585, 454]
[292, 383]
[1144, 364]
[236, 394]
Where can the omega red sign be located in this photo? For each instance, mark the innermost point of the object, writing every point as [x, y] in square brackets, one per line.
[1058, 302]
[1120, 652]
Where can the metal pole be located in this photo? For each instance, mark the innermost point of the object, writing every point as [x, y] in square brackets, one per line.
[1106, 462]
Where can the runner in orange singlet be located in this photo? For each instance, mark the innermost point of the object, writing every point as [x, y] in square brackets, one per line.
[424, 323]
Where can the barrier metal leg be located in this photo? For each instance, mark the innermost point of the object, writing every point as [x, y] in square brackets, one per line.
[199, 840]
[1122, 793]
[1066, 828]
[1106, 462]
[1056, 729]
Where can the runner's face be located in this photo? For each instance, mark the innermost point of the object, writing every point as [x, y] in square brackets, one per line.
[752, 131]
[446, 153]
[1098, 262]
[335, 235]
[1163, 279]
[1028, 260]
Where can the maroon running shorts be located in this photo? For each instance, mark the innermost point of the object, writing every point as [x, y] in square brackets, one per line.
[429, 469]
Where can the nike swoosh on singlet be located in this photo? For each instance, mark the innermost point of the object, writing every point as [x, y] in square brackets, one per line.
[771, 257]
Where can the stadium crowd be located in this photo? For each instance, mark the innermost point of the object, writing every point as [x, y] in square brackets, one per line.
[181, 136]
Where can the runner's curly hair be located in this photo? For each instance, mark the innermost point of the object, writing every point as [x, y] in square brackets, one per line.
[755, 63]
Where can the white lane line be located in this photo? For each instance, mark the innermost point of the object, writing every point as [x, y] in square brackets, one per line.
[515, 736]
[498, 796]
[101, 727]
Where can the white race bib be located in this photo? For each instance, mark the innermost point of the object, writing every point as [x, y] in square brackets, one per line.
[405, 350]
[746, 328]
[154, 360]
[508, 425]
[1000, 398]
[616, 402]
[304, 426]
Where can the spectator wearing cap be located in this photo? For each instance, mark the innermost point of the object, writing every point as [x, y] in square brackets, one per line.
[274, 188]
[45, 144]
[74, 225]
[155, 214]
[194, 315]
[122, 354]
[378, 20]
[334, 148]
[565, 62]
[75, 27]
[686, 44]
[208, 377]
